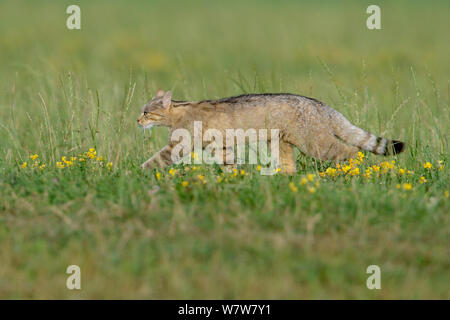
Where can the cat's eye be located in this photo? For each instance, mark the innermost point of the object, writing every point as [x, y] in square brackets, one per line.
[145, 113]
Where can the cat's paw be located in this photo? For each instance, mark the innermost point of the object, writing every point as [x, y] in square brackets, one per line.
[144, 166]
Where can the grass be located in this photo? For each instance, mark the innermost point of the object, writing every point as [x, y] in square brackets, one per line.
[150, 235]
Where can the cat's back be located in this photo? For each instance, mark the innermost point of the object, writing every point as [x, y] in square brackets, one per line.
[258, 109]
[264, 100]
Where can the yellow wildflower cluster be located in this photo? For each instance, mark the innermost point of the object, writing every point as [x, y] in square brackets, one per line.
[277, 170]
[292, 187]
[91, 154]
[34, 163]
[191, 175]
[232, 176]
[309, 182]
[352, 168]
[405, 186]
[67, 162]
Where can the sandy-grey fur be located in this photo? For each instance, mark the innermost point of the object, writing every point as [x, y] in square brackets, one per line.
[306, 123]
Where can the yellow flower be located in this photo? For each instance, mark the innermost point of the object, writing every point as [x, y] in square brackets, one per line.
[292, 187]
[24, 165]
[354, 162]
[73, 158]
[158, 176]
[172, 172]
[399, 186]
[34, 157]
[310, 176]
[60, 165]
[427, 165]
[91, 154]
[184, 183]
[258, 168]
[219, 179]
[63, 158]
[354, 172]
[407, 186]
[376, 168]
[312, 190]
[41, 167]
[201, 178]
[322, 174]
[401, 171]
[100, 158]
[242, 172]
[360, 156]
[422, 180]
[331, 172]
[109, 165]
[387, 165]
[303, 181]
[235, 172]
[346, 168]
[446, 193]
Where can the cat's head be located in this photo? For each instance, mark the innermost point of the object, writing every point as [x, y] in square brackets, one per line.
[156, 111]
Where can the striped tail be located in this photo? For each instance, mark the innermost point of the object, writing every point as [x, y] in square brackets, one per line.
[355, 136]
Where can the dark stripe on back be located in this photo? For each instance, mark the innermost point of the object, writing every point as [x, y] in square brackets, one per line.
[246, 98]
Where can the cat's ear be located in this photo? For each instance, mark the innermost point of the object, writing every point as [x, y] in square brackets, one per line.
[167, 99]
[159, 93]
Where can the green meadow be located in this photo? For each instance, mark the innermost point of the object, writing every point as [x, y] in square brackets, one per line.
[72, 191]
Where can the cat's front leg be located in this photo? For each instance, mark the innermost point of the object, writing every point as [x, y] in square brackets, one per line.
[161, 159]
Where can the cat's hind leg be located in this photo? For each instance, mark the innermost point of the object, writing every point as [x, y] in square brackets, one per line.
[328, 147]
[287, 160]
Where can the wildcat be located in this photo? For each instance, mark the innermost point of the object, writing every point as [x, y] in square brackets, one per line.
[306, 123]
